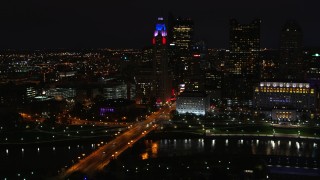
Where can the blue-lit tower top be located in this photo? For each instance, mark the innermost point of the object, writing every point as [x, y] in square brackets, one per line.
[160, 31]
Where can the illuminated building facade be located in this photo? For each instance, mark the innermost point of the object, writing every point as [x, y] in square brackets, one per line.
[119, 91]
[161, 83]
[244, 47]
[197, 103]
[31, 92]
[242, 68]
[61, 93]
[181, 34]
[285, 101]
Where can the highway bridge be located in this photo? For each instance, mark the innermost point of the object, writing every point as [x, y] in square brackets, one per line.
[100, 158]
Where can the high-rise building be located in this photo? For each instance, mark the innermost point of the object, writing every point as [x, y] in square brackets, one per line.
[181, 32]
[196, 67]
[290, 64]
[161, 82]
[242, 68]
[244, 47]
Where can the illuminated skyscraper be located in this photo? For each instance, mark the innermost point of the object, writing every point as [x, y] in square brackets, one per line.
[244, 47]
[290, 64]
[181, 34]
[242, 67]
[161, 83]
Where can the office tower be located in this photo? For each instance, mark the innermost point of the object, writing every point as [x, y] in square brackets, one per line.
[242, 68]
[196, 67]
[244, 47]
[181, 33]
[290, 64]
[161, 82]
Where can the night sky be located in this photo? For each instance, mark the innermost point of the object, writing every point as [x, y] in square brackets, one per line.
[38, 24]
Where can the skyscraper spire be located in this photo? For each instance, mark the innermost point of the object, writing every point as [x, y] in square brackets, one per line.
[160, 32]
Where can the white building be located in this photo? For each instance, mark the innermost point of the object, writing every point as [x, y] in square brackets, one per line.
[193, 102]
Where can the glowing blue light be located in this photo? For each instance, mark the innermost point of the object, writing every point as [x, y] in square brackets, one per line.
[160, 27]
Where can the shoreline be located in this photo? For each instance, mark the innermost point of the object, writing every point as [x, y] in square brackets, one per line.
[179, 135]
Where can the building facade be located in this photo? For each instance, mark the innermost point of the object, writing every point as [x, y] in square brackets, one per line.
[181, 33]
[61, 93]
[197, 103]
[244, 47]
[290, 63]
[285, 101]
[119, 91]
[242, 68]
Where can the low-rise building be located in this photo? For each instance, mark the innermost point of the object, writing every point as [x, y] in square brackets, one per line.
[285, 101]
[193, 102]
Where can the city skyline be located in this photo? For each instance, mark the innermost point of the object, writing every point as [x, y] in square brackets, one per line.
[78, 24]
[138, 90]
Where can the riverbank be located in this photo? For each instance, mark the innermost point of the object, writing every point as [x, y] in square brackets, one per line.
[193, 134]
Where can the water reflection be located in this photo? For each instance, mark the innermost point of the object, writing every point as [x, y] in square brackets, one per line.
[273, 144]
[178, 147]
[144, 156]
[213, 143]
[200, 143]
[154, 149]
[34, 157]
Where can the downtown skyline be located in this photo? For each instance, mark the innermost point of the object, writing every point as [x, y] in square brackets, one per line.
[167, 90]
[125, 24]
